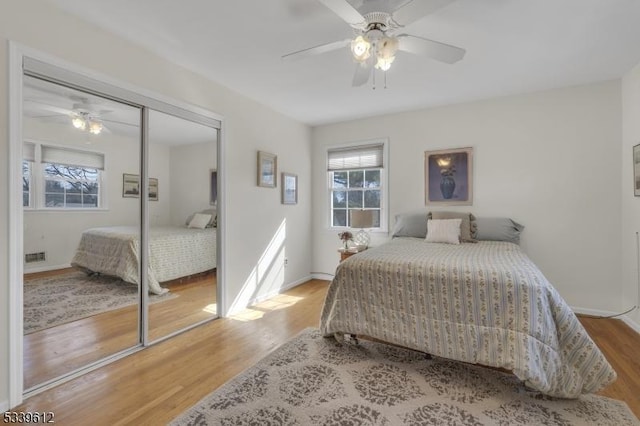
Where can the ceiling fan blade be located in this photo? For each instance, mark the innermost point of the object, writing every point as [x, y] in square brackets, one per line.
[345, 11]
[42, 106]
[123, 123]
[434, 49]
[417, 9]
[316, 50]
[361, 76]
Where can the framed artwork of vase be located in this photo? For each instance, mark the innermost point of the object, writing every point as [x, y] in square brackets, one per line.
[448, 177]
[636, 170]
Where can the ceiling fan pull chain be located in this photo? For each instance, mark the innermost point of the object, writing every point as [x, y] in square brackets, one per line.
[385, 80]
[374, 79]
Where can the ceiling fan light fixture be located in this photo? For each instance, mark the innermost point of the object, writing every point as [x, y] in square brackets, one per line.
[361, 49]
[78, 122]
[95, 127]
[386, 49]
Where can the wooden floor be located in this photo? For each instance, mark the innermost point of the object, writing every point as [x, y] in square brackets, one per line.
[153, 386]
[59, 350]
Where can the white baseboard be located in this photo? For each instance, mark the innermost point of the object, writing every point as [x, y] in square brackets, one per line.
[631, 323]
[282, 289]
[594, 312]
[598, 313]
[46, 268]
[322, 276]
[4, 406]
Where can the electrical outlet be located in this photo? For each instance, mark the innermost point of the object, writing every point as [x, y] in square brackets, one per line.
[286, 261]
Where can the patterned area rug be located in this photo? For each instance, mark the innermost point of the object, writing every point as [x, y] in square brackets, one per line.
[69, 297]
[311, 380]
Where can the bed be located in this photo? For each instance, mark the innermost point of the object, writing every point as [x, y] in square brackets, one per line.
[484, 303]
[175, 251]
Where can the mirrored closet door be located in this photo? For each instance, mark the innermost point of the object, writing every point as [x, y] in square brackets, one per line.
[82, 225]
[182, 222]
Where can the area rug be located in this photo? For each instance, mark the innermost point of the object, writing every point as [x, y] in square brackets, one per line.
[312, 380]
[60, 299]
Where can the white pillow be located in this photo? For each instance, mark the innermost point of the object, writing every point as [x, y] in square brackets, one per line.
[199, 221]
[443, 231]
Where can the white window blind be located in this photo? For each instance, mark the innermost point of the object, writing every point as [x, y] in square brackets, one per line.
[72, 157]
[356, 157]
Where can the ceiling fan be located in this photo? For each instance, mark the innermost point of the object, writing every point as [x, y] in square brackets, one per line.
[378, 36]
[83, 114]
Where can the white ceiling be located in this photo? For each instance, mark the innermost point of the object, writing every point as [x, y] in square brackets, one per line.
[513, 46]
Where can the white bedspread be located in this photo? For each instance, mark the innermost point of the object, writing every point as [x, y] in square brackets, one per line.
[174, 252]
[483, 303]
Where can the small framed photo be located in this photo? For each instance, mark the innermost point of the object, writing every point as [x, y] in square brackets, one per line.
[130, 186]
[213, 187]
[448, 177]
[267, 169]
[153, 189]
[636, 170]
[289, 188]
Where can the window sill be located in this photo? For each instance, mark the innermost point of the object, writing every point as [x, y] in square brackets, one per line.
[44, 209]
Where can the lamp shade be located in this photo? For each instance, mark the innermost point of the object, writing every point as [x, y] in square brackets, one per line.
[361, 218]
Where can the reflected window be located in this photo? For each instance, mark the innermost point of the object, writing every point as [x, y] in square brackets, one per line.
[71, 179]
[27, 166]
[71, 187]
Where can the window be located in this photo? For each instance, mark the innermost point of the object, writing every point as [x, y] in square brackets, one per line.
[64, 178]
[26, 183]
[357, 182]
[70, 187]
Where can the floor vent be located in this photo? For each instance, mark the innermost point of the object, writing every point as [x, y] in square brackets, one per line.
[35, 257]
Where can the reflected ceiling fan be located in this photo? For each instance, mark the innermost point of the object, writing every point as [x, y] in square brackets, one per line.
[378, 36]
[83, 115]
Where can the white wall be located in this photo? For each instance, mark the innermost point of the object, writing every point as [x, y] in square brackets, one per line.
[549, 160]
[253, 214]
[630, 203]
[190, 167]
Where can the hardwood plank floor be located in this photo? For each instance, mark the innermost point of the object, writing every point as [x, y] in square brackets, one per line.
[58, 350]
[153, 386]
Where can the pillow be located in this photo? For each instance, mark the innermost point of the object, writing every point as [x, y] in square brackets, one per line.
[212, 223]
[498, 229]
[410, 225]
[199, 221]
[467, 226]
[443, 231]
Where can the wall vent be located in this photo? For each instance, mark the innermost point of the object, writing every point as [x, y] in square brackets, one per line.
[35, 257]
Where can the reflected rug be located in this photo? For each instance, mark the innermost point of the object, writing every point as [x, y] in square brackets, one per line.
[60, 299]
[311, 380]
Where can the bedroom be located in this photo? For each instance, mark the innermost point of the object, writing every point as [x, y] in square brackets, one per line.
[591, 128]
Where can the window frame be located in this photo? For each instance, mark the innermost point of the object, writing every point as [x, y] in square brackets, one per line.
[384, 184]
[39, 176]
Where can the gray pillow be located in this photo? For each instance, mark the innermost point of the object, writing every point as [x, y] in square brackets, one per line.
[498, 229]
[410, 225]
[467, 226]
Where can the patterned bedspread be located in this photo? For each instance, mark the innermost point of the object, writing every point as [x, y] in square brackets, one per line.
[175, 252]
[483, 303]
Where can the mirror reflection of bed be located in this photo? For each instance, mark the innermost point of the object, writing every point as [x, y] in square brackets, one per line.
[76, 181]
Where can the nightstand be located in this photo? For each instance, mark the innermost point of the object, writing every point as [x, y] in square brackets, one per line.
[346, 253]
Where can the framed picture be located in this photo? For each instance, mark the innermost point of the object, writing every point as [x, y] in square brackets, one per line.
[448, 176]
[131, 187]
[289, 188]
[153, 189]
[267, 169]
[636, 170]
[213, 187]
